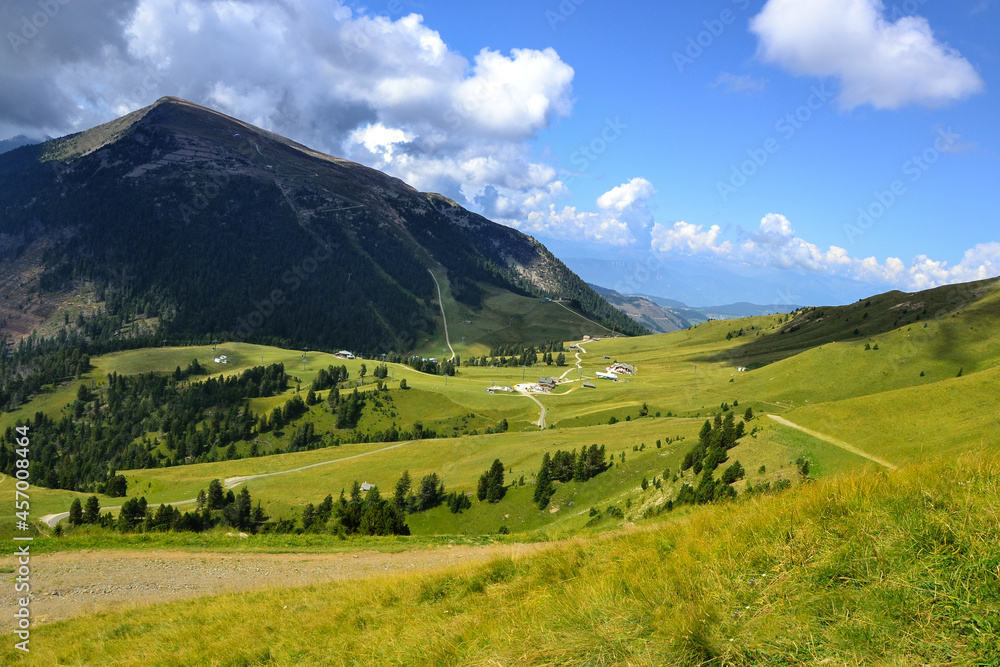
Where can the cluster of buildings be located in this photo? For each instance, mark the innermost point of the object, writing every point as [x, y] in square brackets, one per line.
[622, 368]
[616, 369]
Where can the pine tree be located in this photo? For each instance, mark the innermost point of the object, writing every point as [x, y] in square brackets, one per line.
[243, 508]
[543, 483]
[308, 516]
[216, 498]
[402, 490]
[75, 512]
[92, 513]
[495, 489]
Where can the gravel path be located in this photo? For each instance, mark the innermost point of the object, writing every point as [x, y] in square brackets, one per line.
[836, 442]
[447, 338]
[76, 583]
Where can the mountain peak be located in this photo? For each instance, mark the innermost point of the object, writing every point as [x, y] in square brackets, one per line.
[236, 221]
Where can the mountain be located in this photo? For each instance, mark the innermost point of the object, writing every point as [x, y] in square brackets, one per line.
[662, 315]
[707, 280]
[8, 145]
[187, 224]
[813, 327]
[744, 309]
[655, 316]
[724, 312]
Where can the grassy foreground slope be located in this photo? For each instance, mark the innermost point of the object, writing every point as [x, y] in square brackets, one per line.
[873, 568]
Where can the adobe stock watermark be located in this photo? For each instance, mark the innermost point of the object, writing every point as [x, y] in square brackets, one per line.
[32, 25]
[588, 153]
[562, 12]
[786, 127]
[913, 169]
[641, 273]
[702, 41]
[470, 102]
[360, 38]
[907, 8]
[204, 195]
[150, 83]
[292, 279]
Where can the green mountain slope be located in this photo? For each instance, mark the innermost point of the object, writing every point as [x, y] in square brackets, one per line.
[203, 226]
[811, 327]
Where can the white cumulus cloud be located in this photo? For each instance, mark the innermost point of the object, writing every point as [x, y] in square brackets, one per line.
[622, 216]
[879, 62]
[626, 195]
[774, 243]
[386, 91]
[688, 238]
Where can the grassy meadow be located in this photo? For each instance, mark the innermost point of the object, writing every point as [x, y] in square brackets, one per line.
[867, 568]
[854, 565]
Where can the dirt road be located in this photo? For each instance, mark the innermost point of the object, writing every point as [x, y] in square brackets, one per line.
[447, 338]
[833, 441]
[76, 583]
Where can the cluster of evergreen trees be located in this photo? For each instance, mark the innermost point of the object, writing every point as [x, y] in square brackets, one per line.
[24, 370]
[329, 377]
[371, 515]
[566, 466]
[349, 409]
[428, 494]
[356, 514]
[491, 488]
[214, 508]
[281, 415]
[107, 426]
[714, 440]
[432, 367]
[521, 355]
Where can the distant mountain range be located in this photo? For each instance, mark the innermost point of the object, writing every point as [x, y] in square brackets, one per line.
[189, 224]
[699, 280]
[662, 315]
[7, 145]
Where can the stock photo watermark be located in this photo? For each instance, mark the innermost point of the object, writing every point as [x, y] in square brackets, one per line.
[360, 39]
[31, 25]
[700, 42]
[913, 169]
[292, 279]
[562, 12]
[585, 156]
[787, 127]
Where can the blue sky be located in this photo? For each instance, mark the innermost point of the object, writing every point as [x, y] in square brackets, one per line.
[709, 151]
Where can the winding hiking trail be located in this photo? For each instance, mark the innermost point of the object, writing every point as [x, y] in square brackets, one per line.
[541, 419]
[233, 481]
[447, 338]
[52, 519]
[525, 392]
[834, 441]
[579, 362]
